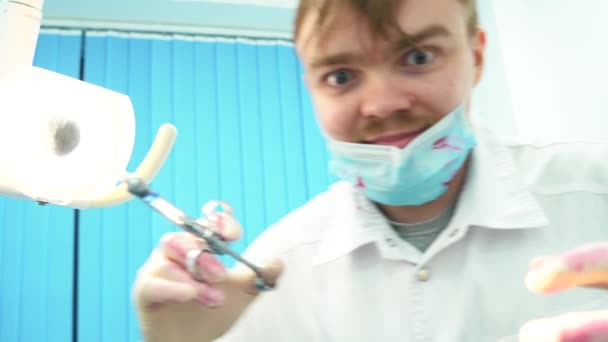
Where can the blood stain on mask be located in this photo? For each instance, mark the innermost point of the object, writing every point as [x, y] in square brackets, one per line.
[446, 143]
[360, 183]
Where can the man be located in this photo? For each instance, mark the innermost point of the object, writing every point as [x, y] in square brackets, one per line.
[429, 236]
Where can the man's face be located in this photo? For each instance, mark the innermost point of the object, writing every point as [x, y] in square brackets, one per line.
[367, 89]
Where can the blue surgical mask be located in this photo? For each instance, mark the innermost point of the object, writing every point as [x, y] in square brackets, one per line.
[414, 175]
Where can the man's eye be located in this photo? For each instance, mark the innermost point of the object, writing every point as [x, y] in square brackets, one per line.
[339, 78]
[420, 57]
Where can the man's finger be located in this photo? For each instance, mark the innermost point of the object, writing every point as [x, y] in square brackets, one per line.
[207, 268]
[175, 246]
[158, 291]
[583, 266]
[571, 327]
[244, 278]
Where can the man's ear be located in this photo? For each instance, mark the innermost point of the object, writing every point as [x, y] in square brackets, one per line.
[479, 50]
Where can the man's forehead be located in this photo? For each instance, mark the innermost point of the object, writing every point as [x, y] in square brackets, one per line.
[405, 15]
[346, 32]
[350, 34]
[411, 16]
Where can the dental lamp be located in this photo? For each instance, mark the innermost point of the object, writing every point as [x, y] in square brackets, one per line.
[67, 142]
[63, 141]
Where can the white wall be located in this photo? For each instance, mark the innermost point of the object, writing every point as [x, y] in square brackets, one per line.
[555, 63]
[492, 100]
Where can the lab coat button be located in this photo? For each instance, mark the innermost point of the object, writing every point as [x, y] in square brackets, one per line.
[423, 274]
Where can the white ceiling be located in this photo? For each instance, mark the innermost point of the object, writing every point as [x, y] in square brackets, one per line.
[266, 3]
[260, 18]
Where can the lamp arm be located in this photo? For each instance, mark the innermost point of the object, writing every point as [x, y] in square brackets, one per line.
[19, 28]
[147, 170]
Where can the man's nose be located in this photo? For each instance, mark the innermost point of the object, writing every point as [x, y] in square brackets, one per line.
[384, 96]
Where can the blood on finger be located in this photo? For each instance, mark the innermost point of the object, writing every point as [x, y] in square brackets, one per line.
[588, 332]
[586, 257]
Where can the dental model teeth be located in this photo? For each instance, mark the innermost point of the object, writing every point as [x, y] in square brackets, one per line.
[584, 266]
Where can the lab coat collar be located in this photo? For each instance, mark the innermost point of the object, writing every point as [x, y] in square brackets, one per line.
[493, 197]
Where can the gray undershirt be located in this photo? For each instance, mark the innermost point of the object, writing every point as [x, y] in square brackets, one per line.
[421, 235]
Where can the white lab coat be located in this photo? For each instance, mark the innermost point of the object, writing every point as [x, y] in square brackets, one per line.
[349, 277]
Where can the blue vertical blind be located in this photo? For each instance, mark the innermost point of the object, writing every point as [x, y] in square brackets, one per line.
[37, 242]
[246, 135]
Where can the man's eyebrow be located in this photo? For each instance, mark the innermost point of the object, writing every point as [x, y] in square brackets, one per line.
[412, 40]
[337, 59]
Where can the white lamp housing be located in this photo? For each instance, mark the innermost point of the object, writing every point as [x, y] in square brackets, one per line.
[62, 141]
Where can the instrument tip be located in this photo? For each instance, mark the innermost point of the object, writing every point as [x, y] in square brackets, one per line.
[135, 185]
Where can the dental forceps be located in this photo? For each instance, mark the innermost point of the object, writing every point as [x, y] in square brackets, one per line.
[215, 243]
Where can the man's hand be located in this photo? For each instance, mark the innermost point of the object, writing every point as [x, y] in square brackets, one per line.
[200, 304]
[585, 266]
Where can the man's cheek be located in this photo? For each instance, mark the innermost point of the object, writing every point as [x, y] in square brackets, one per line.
[447, 91]
[338, 124]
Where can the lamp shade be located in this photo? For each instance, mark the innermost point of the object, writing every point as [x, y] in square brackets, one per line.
[62, 139]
